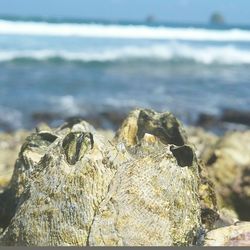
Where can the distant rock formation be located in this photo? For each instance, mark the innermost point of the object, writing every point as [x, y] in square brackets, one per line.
[217, 18]
[150, 19]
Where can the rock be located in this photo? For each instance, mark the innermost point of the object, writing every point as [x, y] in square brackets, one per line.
[164, 126]
[150, 19]
[201, 139]
[217, 19]
[228, 164]
[72, 187]
[207, 120]
[228, 120]
[55, 198]
[227, 217]
[235, 235]
[236, 116]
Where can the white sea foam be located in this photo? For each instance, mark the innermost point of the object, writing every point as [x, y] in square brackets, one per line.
[121, 31]
[10, 118]
[67, 105]
[166, 52]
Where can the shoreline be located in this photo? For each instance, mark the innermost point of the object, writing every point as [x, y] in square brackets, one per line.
[110, 119]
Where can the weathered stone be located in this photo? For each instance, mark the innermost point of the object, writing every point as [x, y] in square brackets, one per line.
[72, 187]
[57, 201]
[235, 235]
[151, 200]
[227, 217]
[228, 163]
[164, 126]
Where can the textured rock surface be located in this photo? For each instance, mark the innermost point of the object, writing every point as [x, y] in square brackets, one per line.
[235, 235]
[55, 200]
[228, 163]
[72, 187]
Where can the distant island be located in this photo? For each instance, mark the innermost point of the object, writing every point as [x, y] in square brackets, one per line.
[150, 19]
[217, 18]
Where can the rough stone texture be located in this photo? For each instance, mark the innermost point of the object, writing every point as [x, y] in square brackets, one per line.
[56, 201]
[72, 187]
[228, 164]
[235, 235]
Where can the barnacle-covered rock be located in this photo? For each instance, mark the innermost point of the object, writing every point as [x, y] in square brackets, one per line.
[163, 126]
[153, 198]
[72, 187]
[60, 193]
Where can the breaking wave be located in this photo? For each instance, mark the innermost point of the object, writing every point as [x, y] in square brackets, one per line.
[167, 52]
[121, 31]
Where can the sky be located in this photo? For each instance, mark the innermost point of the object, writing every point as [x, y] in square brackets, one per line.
[194, 11]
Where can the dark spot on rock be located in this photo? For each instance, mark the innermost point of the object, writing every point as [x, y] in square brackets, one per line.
[75, 145]
[48, 137]
[67, 143]
[183, 154]
[209, 216]
[211, 160]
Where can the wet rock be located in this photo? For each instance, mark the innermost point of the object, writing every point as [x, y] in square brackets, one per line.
[228, 164]
[73, 187]
[207, 120]
[235, 235]
[228, 120]
[236, 116]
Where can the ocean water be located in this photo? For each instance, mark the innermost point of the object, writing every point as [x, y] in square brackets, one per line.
[76, 68]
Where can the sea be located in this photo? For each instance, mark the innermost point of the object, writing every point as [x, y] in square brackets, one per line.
[60, 68]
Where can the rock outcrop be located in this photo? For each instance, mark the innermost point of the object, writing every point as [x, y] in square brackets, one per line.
[228, 164]
[72, 187]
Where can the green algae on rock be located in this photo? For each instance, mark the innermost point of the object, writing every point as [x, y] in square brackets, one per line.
[71, 187]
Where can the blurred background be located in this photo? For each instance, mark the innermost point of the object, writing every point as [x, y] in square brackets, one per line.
[98, 59]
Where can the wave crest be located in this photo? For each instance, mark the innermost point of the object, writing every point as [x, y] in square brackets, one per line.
[121, 31]
[168, 52]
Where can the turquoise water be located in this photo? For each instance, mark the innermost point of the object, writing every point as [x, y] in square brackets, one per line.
[78, 67]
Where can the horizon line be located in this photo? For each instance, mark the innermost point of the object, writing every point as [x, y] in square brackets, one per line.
[57, 19]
